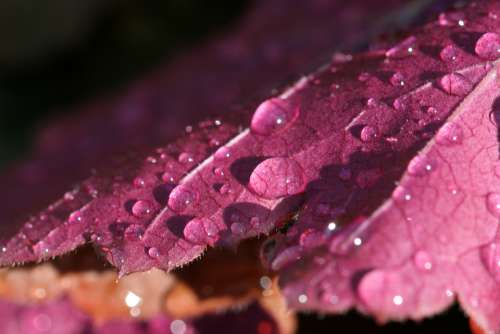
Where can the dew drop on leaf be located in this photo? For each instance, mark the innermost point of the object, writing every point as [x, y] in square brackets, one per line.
[450, 134]
[493, 204]
[423, 261]
[142, 209]
[223, 153]
[488, 46]
[397, 79]
[403, 49]
[273, 115]
[277, 177]
[421, 166]
[153, 252]
[455, 84]
[181, 198]
[368, 133]
[448, 53]
[490, 256]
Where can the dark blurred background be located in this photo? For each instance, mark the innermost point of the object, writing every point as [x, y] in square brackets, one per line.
[53, 56]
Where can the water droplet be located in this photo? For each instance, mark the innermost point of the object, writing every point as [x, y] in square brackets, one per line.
[218, 171]
[153, 252]
[400, 104]
[421, 166]
[372, 102]
[75, 217]
[273, 115]
[302, 298]
[403, 49]
[423, 261]
[223, 153]
[331, 226]
[493, 204]
[400, 194]
[449, 53]
[168, 177]
[490, 256]
[199, 231]
[181, 198]
[455, 84]
[397, 79]
[224, 189]
[142, 209]
[69, 196]
[185, 158]
[265, 282]
[277, 177]
[451, 19]
[238, 228]
[368, 133]
[488, 46]
[139, 182]
[151, 160]
[450, 134]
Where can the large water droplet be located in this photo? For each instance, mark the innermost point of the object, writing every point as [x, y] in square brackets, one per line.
[200, 231]
[490, 256]
[493, 204]
[368, 133]
[488, 46]
[181, 198]
[397, 79]
[142, 209]
[153, 252]
[273, 115]
[450, 134]
[423, 261]
[449, 53]
[455, 84]
[403, 49]
[223, 153]
[277, 177]
[421, 166]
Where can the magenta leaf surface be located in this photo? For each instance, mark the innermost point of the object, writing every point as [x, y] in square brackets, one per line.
[403, 218]
[121, 123]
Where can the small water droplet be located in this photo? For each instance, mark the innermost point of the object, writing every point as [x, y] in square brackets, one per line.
[139, 182]
[397, 79]
[449, 53]
[493, 204]
[218, 171]
[451, 19]
[488, 46]
[400, 194]
[421, 166]
[372, 102]
[490, 256]
[153, 252]
[75, 217]
[357, 242]
[368, 133]
[277, 177]
[331, 226]
[142, 209]
[185, 158]
[398, 300]
[273, 115]
[151, 160]
[181, 198]
[423, 261]
[450, 134]
[168, 177]
[403, 49]
[223, 153]
[455, 84]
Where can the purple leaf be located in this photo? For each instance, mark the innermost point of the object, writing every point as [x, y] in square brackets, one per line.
[120, 123]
